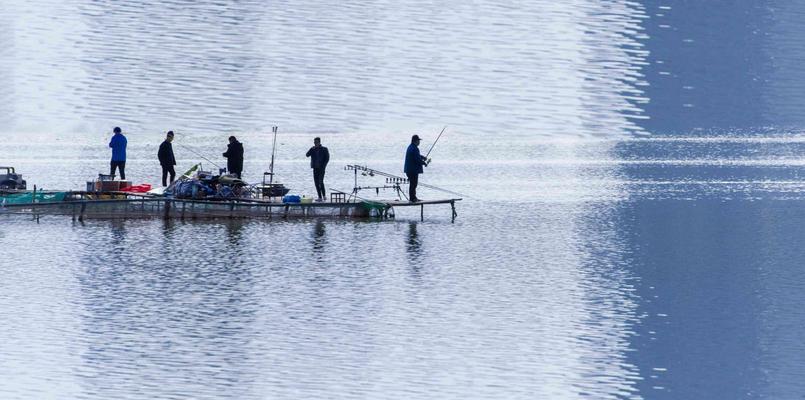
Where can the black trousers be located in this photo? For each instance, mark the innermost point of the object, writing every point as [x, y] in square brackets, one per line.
[167, 169]
[413, 181]
[120, 165]
[318, 180]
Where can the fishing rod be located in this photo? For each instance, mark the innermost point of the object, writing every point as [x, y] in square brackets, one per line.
[199, 154]
[273, 148]
[434, 142]
[390, 178]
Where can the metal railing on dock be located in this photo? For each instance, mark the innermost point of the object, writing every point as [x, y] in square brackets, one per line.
[88, 205]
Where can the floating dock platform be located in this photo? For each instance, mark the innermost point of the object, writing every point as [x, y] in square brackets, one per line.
[81, 205]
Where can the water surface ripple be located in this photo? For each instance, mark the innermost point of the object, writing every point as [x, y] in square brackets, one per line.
[632, 177]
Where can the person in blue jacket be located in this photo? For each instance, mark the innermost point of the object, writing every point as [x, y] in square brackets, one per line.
[414, 161]
[118, 145]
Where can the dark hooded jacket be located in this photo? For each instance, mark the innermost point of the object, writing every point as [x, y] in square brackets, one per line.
[234, 157]
[319, 157]
[165, 154]
[413, 160]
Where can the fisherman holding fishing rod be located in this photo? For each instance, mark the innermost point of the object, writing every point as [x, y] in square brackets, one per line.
[414, 161]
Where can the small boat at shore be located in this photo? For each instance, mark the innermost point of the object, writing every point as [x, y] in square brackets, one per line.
[11, 180]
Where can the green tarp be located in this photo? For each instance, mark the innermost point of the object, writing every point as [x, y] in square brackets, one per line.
[27, 197]
[373, 205]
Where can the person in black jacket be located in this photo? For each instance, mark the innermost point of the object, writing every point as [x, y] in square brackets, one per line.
[166, 159]
[414, 161]
[234, 157]
[319, 157]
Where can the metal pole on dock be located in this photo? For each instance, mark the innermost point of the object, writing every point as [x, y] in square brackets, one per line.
[33, 201]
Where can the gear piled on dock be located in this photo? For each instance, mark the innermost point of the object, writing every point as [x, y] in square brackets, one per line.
[201, 195]
[204, 185]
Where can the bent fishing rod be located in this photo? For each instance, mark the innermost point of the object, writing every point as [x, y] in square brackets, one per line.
[434, 142]
[198, 154]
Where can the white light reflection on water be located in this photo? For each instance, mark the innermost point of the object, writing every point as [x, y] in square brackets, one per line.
[534, 292]
[548, 69]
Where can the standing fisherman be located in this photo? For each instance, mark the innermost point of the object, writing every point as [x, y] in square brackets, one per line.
[166, 159]
[319, 157]
[118, 145]
[234, 157]
[413, 167]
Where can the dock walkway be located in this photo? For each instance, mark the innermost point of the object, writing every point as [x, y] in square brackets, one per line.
[133, 206]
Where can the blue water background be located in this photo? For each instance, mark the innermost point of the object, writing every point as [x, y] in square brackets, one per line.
[631, 225]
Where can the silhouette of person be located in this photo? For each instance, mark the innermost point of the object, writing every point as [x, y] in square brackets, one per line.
[414, 161]
[118, 145]
[319, 157]
[234, 157]
[166, 159]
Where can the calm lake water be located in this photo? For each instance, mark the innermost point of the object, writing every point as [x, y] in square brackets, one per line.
[631, 227]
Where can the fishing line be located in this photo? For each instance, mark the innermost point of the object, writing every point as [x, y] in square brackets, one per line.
[198, 154]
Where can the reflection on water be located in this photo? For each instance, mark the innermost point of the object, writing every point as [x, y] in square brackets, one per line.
[319, 238]
[545, 68]
[682, 40]
[186, 316]
[414, 245]
[596, 254]
[785, 77]
[216, 309]
[715, 307]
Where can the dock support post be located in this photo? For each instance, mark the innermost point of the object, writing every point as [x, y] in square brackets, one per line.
[453, 207]
[167, 209]
[83, 208]
[422, 212]
[33, 201]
